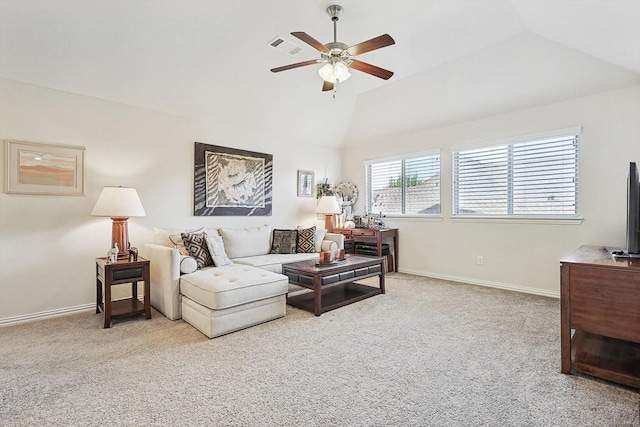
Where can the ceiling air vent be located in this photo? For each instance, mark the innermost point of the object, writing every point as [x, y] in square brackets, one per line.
[285, 46]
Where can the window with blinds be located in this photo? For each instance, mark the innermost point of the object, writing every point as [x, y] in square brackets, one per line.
[405, 186]
[537, 177]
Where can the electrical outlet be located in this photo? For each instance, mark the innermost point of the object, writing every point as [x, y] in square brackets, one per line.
[480, 260]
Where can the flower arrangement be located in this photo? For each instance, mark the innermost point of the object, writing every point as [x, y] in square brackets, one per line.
[324, 189]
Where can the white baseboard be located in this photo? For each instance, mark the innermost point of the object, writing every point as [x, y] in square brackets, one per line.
[49, 314]
[486, 283]
[46, 314]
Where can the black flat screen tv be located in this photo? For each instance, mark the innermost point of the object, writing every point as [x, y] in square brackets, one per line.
[633, 215]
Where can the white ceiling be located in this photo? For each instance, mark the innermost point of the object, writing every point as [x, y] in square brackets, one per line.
[453, 60]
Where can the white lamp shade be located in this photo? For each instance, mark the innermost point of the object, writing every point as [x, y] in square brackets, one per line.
[118, 202]
[328, 205]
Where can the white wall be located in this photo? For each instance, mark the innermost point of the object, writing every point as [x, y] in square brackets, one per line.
[48, 244]
[516, 255]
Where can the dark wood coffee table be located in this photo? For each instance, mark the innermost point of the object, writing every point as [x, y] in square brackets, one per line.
[334, 285]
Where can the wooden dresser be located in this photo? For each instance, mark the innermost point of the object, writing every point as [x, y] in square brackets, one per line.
[600, 303]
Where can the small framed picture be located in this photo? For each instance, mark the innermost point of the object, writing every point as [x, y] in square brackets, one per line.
[305, 183]
[49, 169]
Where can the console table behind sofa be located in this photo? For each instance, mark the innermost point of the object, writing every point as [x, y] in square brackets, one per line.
[372, 235]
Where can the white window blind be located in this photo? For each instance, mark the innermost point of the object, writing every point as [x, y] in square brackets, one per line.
[406, 186]
[537, 177]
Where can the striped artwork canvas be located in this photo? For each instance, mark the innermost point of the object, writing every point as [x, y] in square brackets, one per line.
[231, 182]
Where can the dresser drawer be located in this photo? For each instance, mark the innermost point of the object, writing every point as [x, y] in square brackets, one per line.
[128, 273]
[363, 232]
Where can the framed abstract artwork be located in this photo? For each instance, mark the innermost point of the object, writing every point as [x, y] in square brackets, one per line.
[305, 183]
[231, 182]
[48, 169]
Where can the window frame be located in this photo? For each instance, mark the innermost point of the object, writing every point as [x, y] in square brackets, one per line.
[402, 159]
[547, 218]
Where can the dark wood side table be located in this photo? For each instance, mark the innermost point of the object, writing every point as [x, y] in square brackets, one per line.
[116, 273]
[600, 302]
[372, 235]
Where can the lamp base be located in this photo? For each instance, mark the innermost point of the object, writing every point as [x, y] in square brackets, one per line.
[328, 222]
[120, 236]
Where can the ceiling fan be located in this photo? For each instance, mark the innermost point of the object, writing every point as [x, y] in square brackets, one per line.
[338, 57]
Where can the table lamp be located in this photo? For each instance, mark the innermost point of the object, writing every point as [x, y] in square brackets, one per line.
[119, 203]
[328, 205]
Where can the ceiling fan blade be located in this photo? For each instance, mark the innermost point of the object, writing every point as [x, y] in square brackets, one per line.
[373, 44]
[296, 65]
[327, 86]
[371, 69]
[310, 41]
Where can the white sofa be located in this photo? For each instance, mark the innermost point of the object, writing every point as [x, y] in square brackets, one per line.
[220, 300]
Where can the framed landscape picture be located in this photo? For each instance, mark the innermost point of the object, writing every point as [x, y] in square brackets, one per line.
[231, 182]
[48, 169]
[305, 183]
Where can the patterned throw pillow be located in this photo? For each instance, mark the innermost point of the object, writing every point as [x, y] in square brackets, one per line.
[196, 244]
[284, 241]
[307, 240]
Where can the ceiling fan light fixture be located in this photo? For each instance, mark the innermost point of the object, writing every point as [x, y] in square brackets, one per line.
[334, 72]
[341, 71]
[326, 72]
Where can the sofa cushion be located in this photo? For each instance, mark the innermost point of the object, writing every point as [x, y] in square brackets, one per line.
[196, 244]
[232, 285]
[306, 240]
[217, 252]
[246, 241]
[178, 243]
[284, 242]
[273, 262]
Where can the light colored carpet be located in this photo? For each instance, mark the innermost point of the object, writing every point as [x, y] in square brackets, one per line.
[428, 353]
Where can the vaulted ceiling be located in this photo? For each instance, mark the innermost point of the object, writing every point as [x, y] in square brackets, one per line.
[453, 60]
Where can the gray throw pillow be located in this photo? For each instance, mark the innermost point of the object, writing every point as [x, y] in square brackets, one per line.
[284, 242]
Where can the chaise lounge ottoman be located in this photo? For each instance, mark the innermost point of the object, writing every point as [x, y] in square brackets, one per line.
[217, 301]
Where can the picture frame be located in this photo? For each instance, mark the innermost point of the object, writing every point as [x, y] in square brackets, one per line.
[306, 183]
[45, 169]
[232, 182]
